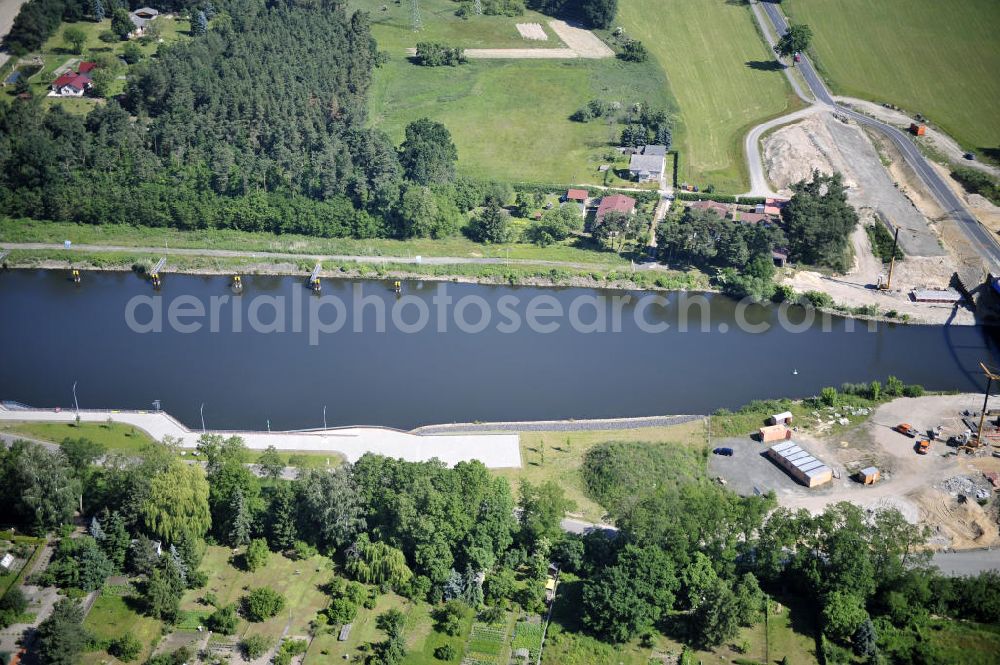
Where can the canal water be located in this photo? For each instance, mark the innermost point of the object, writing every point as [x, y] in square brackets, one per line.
[271, 358]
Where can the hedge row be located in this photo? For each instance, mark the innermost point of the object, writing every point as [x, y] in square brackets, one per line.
[720, 198]
[643, 196]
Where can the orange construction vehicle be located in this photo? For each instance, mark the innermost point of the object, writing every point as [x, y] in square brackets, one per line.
[906, 430]
[923, 446]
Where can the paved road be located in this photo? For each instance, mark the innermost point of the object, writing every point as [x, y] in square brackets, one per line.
[971, 562]
[581, 527]
[558, 425]
[8, 11]
[980, 238]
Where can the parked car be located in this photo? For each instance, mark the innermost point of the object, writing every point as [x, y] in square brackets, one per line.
[726, 452]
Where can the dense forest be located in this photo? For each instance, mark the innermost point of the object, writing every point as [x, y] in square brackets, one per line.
[256, 125]
[693, 559]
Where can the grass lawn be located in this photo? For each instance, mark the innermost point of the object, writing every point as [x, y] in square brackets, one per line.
[111, 617]
[788, 633]
[139, 236]
[298, 581]
[57, 52]
[564, 452]
[115, 436]
[418, 634]
[936, 59]
[965, 641]
[508, 118]
[720, 72]
[394, 31]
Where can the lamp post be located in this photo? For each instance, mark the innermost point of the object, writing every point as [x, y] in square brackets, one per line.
[202, 411]
[75, 403]
[324, 416]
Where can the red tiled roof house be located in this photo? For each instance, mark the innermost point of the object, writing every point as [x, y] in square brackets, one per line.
[72, 84]
[616, 203]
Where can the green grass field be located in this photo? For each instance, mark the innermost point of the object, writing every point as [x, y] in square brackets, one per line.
[558, 456]
[394, 30]
[927, 57]
[142, 236]
[298, 581]
[508, 118]
[115, 436]
[720, 72]
[418, 634]
[111, 617]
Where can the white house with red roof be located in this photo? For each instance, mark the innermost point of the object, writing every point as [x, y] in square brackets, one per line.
[74, 84]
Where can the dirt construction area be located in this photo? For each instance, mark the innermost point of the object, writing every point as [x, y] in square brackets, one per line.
[880, 187]
[944, 489]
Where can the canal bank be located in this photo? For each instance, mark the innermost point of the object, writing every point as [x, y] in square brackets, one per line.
[654, 362]
[496, 451]
[644, 275]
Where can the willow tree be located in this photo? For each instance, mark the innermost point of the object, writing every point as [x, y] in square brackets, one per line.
[377, 563]
[177, 503]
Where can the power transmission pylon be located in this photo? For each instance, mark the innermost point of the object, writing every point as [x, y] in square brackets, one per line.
[415, 15]
[479, 7]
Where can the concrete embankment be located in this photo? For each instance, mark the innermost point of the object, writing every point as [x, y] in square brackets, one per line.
[496, 451]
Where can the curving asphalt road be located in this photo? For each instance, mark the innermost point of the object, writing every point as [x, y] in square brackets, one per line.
[978, 236]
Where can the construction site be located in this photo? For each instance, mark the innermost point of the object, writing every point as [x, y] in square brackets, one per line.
[941, 278]
[934, 458]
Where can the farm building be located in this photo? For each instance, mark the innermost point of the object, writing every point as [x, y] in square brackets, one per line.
[869, 475]
[141, 18]
[783, 418]
[617, 203]
[773, 433]
[345, 632]
[799, 464]
[648, 164]
[578, 195]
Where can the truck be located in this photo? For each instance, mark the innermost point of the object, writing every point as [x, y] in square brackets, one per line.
[923, 446]
[906, 429]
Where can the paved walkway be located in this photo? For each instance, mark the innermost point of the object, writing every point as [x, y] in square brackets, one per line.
[494, 450]
[559, 425]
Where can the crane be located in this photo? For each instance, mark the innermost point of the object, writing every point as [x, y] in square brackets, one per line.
[991, 376]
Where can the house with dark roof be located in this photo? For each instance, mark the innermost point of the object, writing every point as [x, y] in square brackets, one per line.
[616, 203]
[648, 163]
[141, 18]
